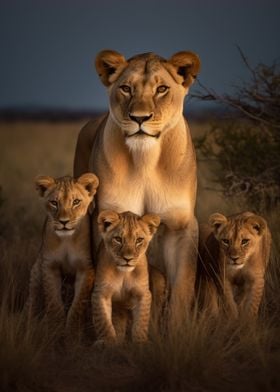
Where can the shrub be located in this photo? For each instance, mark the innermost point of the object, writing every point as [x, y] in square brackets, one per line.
[246, 146]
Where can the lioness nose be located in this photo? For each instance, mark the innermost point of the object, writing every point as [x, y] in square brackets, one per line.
[234, 258]
[140, 119]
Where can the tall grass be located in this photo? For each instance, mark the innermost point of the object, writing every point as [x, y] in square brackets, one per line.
[200, 355]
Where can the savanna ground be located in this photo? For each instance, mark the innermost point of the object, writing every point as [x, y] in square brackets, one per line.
[201, 355]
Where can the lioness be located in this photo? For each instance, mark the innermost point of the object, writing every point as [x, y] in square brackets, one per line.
[65, 249]
[234, 254]
[122, 279]
[143, 154]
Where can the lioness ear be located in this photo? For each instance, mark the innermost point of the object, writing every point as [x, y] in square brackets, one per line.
[43, 183]
[187, 65]
[216, 221]
[153, 221]
[90, 182]
[109, 64]
[107, 220]
[258, 224]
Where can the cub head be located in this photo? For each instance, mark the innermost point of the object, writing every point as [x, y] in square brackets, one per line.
[238, 236]
[67, 200]
[126, 236]
[146, 92]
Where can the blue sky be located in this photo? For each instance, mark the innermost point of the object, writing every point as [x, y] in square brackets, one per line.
[48, 47]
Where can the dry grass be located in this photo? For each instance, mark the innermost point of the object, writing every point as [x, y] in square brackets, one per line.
[201, 355]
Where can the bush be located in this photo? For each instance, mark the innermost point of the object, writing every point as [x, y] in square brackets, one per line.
[246, 147]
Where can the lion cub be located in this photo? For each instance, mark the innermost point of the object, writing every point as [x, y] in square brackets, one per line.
[65, 249]
[122, 278]
[234, 254]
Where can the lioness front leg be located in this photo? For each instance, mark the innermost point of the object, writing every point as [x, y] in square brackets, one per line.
[141, 317]
[102, 317]
[52, 293]
[76, 314]
[180, 254]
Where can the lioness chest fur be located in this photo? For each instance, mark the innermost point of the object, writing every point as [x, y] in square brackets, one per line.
[122, 279]
[65, 250]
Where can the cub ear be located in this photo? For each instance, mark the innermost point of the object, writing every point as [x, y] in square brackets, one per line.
[153, 222]
[109, 64]
[107, 220]
[258, 224]
[216, 221]
[90, 182]
[187, 65]
[43, 183]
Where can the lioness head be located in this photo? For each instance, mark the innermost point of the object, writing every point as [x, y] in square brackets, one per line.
[146, 92]
[126, 236]
[67, 200]
[238, 236]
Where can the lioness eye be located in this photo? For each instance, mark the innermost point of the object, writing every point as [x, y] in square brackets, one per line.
[162, 89]
[76, 202]
[139, 240]
[225, 241]
[118, 240]
[125, 88]
[53, 203]
[245, 241]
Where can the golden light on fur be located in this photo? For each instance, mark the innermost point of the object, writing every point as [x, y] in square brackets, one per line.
[65, 250]
[234, 253]
[122, 279]
[143, 154]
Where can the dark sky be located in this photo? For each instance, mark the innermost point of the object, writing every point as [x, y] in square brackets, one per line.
[48, 47]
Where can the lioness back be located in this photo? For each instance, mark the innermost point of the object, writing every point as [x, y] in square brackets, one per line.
[234, 254]
[122, 278]
[65, 249]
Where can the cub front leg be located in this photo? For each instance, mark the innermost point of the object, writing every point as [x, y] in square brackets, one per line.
[253, 292]
[102, 317]
[141, 317]
[35, 300]
[52, 292]
[76, 314]
[230, 304]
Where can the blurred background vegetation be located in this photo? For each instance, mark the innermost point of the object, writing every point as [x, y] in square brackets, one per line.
[238, 168]
[246, 145]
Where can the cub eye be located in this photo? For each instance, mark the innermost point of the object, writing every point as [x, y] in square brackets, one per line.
[76, 202]
[139, 240]
[245, 241]
[162, 89]
[126, 89]
[118, 240]
[225, 241]
[53, 203]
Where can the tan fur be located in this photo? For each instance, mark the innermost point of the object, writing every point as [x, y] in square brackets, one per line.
[122, 279]
[148, 167]
[234, 252]
[65, 250]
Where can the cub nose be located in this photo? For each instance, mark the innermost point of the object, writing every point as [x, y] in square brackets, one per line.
[140, 119]
[64, 221]
[234, 258]
[127, 258]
